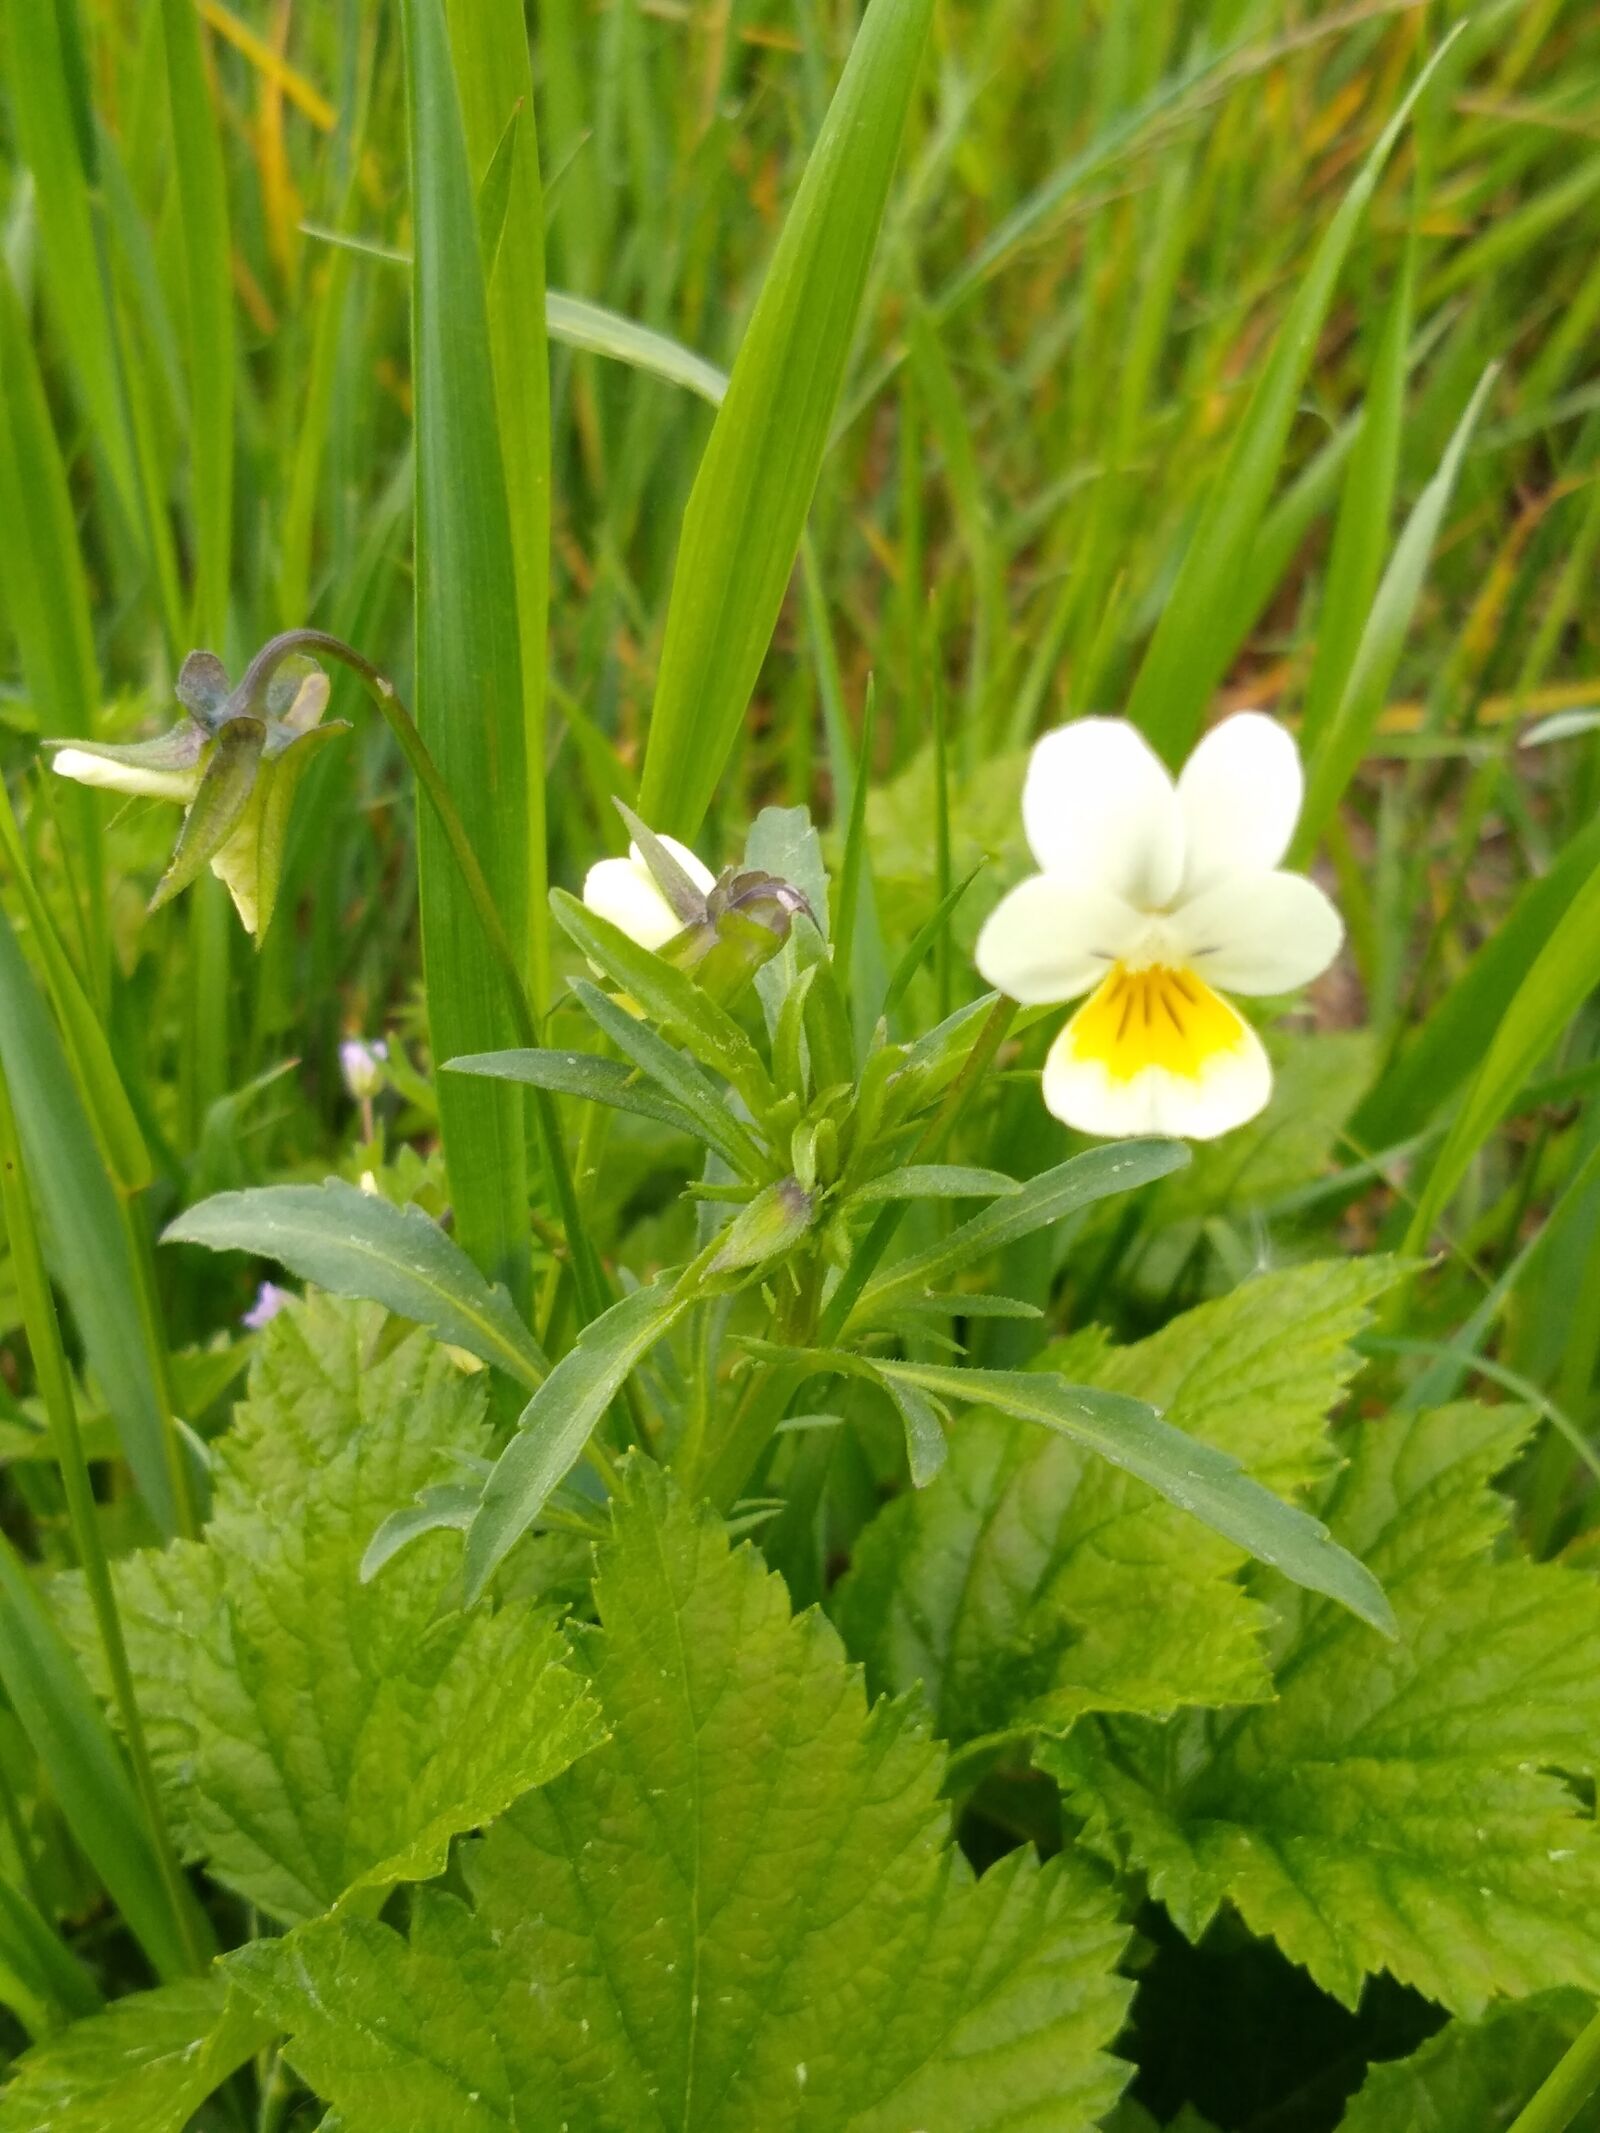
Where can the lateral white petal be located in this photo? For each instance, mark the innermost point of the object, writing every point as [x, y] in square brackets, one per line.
[1256, 933]
[1100, 811]
[1240, 795]
[1232, 1087]
[696, 869]
[111, 776]
[1051, 940]
[622, 891]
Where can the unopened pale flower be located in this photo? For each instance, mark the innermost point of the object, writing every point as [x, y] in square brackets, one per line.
[362, 1065]
[1156, 898]
[625, 892]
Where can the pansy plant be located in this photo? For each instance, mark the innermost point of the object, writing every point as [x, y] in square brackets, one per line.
[1156, 898]
[232, 763]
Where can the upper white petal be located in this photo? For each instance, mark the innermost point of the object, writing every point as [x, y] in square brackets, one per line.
[1257, 933]
[1099, 810]
[1240, 794]
[696, 869]
[1050, 939]
[1231, 1088]
[100, 770]
[622, 891]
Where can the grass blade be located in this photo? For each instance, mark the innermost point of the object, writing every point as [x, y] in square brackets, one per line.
[469, 662]
[93, 1258]
[490, 41]
[1199, 629]
[208, 280]
[748, 508]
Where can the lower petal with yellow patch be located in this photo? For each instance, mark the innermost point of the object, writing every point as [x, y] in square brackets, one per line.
[1156, 1051]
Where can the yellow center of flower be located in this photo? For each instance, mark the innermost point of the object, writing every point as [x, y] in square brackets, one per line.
[1155, 1017]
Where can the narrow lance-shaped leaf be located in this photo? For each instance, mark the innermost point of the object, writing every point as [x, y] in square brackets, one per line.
[73, 1742]
[1209, 1484]
[1338, 753]
[748, 508]
[469, 661]
[558, 1421]
[489, 39]
[208, 279]
[86, 1236]
[360, 1245]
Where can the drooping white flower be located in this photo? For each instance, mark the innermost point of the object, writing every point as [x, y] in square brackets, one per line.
[232, 769]
[1156, 898]
[625, 892]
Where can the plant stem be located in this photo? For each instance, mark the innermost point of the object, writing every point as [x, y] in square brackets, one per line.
[766, 1401]
[1569, 2087]
[588, 1278]
[55, 1385]
[864, 1260]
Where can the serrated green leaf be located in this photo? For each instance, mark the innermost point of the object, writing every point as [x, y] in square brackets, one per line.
[1405, 1815]
[148, 2062]
[1473, 2075]
[313, 1735]
[360, 1245]
[558, 1421]
[1033, 1582]
[742, 1912]
[748, 508]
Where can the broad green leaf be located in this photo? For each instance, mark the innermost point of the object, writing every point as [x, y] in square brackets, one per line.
[358, 1244]
[470, 708]
[149, 2062]
[314, 1735]
[1474, 2074]
[1348, 731]
[745, 516]
[742, 1912]
[1122, 1166]
[597, 1081]
[86, 1236]
[1033, 1582]
[1209, 1484]
[1199, 629]
[558, 1421]
[1560, 978]
[45, 1686]
[1405, 1813]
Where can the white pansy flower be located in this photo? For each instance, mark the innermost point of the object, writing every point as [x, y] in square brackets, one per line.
[625, 892]
[1156, 898]
[232, 768]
